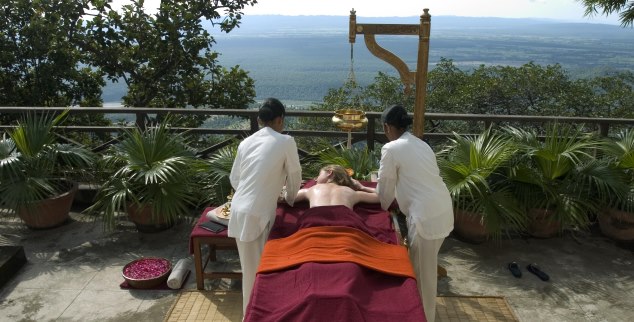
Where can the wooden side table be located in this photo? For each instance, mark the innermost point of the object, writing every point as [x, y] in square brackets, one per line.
[215, 241]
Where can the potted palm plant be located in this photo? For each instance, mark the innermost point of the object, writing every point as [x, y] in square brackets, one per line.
[558, 179]
[153, 178]
[484, 205]
[38, 174]
[616, 220]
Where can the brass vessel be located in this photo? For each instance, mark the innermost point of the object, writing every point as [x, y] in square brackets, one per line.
[349, 119]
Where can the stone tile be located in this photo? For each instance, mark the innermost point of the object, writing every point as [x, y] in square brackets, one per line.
[601, 307]
[102, 306]
[53, 277]
[35, 304]
[107, 279]
[534, 309]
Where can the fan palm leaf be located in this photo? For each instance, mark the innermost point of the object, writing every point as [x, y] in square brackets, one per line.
[559, 172]
[619, 152]
[217, 178]
[33, 164]
[471, 167]
[153, 167]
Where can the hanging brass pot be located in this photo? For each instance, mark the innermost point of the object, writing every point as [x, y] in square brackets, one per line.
[349, 119]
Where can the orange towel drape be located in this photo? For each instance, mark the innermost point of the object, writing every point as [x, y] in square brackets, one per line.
[328, 244]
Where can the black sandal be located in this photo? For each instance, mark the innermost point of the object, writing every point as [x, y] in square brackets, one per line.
[535, 270]
[515, 269]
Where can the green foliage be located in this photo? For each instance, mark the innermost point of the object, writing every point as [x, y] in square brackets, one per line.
[613, 95]
[560, 173]
[624, 8]
[619, 152]
[384, 91]
[34, 166]
[41, 61]
[361, 160]
[473, 170]
[166, 59]
[216, 180]
[152, 167]
[530, 89]
[526, 90]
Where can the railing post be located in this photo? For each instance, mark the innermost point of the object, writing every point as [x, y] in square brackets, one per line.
[369, 138]
[604, 128]
[254, 123]
[140, 121]
[487, 124]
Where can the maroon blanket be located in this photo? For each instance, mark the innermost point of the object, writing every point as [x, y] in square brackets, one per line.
[333, 291]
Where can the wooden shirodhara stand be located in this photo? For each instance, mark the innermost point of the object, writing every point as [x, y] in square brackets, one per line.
[418, 78]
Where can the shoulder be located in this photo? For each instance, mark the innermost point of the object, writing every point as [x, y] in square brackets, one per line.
[279, 136]
[288, 142]
[255, 136]
[395, 145]
[407, 141]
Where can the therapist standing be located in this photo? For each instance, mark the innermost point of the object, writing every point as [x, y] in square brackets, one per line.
[266, 161]
[409, 172]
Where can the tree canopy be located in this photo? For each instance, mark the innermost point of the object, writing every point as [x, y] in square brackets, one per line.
[57, 53]
[41, 63]
[625, 9]
[529, 89]
[166, 59]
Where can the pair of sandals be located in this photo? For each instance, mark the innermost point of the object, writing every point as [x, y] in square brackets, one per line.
[515, 270]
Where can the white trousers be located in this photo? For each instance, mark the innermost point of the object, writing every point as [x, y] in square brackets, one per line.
[250, 254]
[423, 253]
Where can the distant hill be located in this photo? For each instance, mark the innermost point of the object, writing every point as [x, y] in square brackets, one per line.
[300, 57]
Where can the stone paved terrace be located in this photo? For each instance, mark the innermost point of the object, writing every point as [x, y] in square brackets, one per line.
[74, 271]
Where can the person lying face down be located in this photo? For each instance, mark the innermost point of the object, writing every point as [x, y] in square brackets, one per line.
[335, 187]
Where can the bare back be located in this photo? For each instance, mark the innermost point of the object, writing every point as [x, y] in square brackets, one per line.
[331, 194]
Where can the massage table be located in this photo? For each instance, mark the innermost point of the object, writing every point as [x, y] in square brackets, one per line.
[334, 264]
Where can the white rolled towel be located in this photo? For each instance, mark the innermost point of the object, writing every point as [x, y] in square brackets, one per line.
[180, 270]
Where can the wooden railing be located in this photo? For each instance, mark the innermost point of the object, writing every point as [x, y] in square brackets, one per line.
[371, 134]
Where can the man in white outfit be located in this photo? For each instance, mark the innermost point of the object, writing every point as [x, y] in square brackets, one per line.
[409, 172]
[266, 161]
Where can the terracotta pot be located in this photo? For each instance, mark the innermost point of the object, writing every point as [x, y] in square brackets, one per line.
[470, 227]
[142, 218]
[542, 223]
[51, 212]
[617, 224]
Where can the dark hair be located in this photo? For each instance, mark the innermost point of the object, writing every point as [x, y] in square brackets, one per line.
[271, 109]
[396, 116]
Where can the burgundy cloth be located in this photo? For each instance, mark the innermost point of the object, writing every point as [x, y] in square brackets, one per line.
[333, 291]
[201, 232]
[371, 219]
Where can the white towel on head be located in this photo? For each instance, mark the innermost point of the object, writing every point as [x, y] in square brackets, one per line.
[180, 270]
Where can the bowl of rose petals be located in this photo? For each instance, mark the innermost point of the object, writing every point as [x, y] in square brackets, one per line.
[147, 272]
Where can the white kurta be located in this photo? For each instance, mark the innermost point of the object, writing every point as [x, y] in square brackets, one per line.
[265, 162]
[409, 172]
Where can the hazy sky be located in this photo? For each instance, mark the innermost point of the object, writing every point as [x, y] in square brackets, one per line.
[569, 10]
